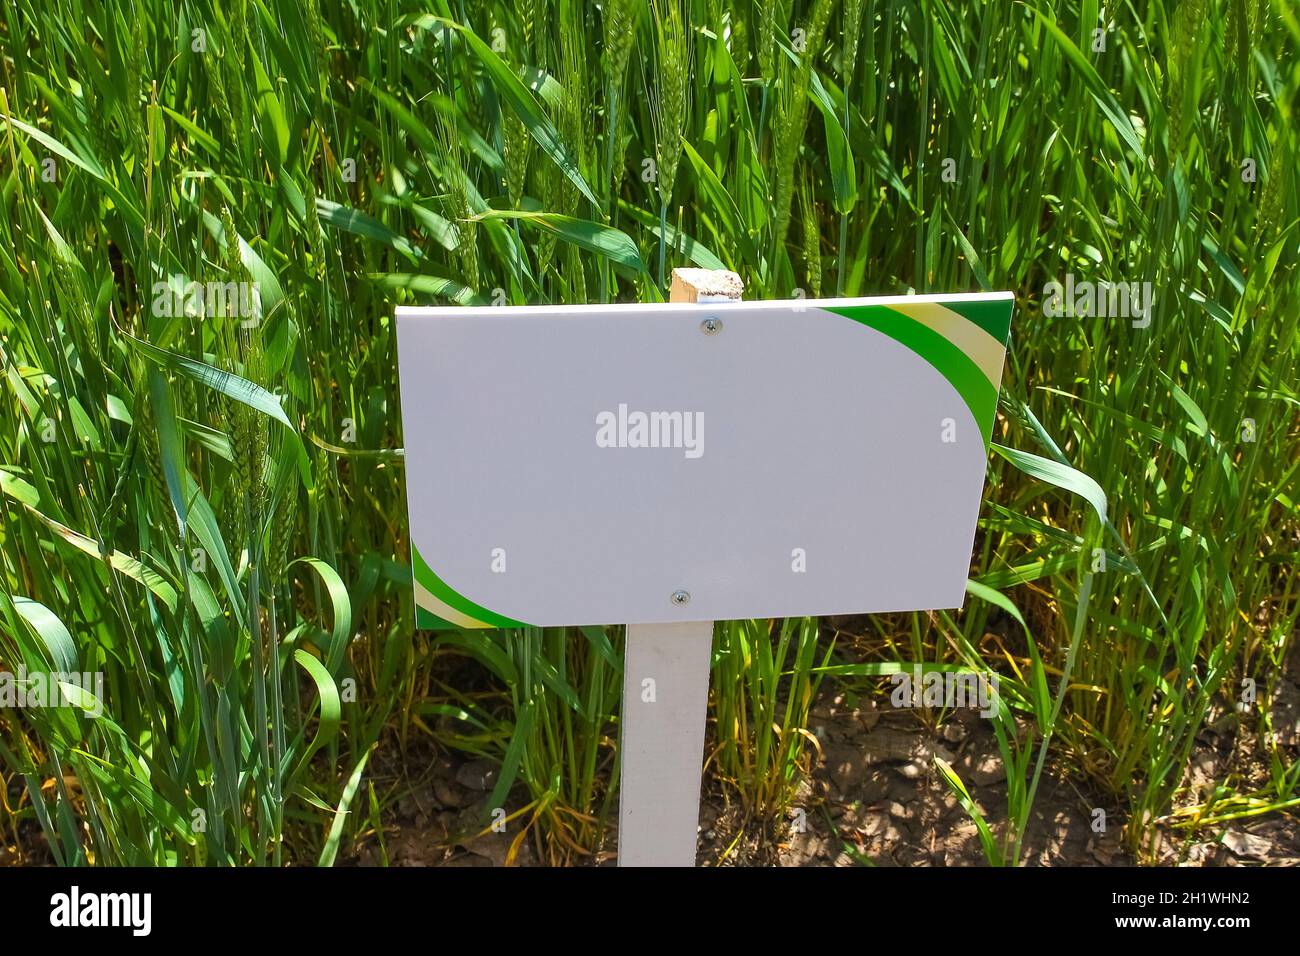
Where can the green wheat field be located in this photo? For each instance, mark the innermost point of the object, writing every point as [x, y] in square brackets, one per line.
[205, 507]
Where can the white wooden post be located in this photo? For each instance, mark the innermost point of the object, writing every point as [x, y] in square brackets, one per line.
[665, 696]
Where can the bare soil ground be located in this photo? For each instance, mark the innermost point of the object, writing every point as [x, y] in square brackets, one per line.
[875, 798]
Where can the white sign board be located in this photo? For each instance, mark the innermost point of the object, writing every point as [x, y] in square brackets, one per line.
[572, 465]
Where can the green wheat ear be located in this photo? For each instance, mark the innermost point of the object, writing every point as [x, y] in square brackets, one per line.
[147, 432]
[283, 518]
[220, 102]
[1272, 201]
[1235, 38]
[773, 18]
[740, 44]
[669, 102]
[316, 36]
[811, 238]
[245, 355]
[315, 237]
[134, 129]
[516, 142]
[67, 280]
[852, 38]
[792, 115]
[1185, 36]
[532, 19]
[459, 207]
[621, 20]
[620, 31]
[516, 146]
[234, 260]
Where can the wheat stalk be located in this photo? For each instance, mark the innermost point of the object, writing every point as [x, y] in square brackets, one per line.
[669, 103]
[458, 203]
[792, 116]
[811, 238]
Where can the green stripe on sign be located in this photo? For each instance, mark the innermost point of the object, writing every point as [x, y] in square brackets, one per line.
[951, 362]
[426, 620]
[435, 585]
[994, 317]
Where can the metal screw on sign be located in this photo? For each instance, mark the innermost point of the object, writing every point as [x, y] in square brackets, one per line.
[681, 597]
[711, 326]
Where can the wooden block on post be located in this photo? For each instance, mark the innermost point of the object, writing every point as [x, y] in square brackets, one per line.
[665, 696]
[705, 285]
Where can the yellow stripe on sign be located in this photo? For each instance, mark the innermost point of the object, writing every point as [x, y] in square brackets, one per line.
[434, 605]
[980, 347]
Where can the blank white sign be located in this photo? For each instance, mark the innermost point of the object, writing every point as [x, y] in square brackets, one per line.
[576, 465]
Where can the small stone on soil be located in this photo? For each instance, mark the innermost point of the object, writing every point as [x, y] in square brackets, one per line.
[477, 774]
